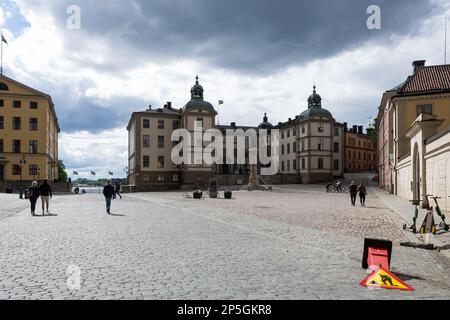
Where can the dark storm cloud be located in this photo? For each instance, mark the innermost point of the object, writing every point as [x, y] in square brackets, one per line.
[90, 116]
[254, 36]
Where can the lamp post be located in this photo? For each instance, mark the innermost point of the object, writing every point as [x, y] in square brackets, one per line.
[22, 163]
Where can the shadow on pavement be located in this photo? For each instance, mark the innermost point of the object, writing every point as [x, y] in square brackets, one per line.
[117, 215]
[406, 277]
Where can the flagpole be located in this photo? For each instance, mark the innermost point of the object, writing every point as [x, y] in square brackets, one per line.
[445, 57]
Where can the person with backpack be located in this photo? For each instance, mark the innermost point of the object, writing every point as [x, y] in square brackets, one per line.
[46, 194]
[362, 194]
[33, 195]
[108, 192]
[353, 192]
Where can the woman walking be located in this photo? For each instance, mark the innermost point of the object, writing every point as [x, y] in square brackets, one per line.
[362, 194]
[33, 195]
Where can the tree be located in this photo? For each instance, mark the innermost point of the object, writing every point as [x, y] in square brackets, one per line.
[62, 174]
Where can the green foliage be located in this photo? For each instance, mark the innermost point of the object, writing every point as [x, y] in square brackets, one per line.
[62, 174]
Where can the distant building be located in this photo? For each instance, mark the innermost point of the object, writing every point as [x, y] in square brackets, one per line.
[28, 134]
[311, 145]
[415, 146]
[150, 145]
[360, 151]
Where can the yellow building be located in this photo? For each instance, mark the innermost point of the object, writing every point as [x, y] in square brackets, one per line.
[28, 134]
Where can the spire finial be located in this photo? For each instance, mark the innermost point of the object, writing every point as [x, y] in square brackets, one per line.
[314, 89]
[196, 79]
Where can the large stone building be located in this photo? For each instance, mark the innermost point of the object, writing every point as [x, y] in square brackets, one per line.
[28, 134]
[415, 143]
[360, 151]
[311, 147]
[312, 144]
[150, 145]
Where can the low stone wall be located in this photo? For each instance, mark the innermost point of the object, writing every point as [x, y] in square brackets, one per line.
[62, 187]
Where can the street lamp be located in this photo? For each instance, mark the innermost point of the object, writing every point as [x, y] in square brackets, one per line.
[22, 163]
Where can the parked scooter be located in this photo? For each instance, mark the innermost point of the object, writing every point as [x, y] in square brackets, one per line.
[415, 215]
[443, 224]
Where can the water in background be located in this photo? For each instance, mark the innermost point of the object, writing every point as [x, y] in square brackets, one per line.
[94, 190]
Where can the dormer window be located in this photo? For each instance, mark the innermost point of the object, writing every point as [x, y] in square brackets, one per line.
[4, 86]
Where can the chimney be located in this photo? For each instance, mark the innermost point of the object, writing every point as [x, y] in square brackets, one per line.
[345, 126]
[169, 105]
[361, 130]
[290, 119]
[355, 129]
[418, 64]
[150, 107]
[165, 106]
[233, 125]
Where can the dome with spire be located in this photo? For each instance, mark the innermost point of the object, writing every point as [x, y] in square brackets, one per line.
[315, 107]
[197, 100]
[265, 124]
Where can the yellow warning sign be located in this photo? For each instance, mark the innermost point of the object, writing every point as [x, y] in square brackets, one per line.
[383, 279]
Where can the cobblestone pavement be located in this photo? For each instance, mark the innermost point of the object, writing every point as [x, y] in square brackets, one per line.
[292, 243]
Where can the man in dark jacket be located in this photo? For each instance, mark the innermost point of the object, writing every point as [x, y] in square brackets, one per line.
[108, 192]
[353, 192]
[46, 194]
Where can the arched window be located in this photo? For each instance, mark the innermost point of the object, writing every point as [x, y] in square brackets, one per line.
[4, 87]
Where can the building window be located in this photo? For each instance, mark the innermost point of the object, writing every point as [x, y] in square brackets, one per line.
[321, 128]
[33, 170]
[146, 162]
[175, 178]
[282, 166]
[294, 146]
[146, 124]
[289, 165]
[2, 122]
[426, 109]
[33, 146]
[349, 154]
[16, 171]
[17, 123]
[16, 146]
[33, 124]
[288, 148]
[17, 104]
[320, 163]
[303, 145]
[33, 105]
[282, 135]
[2, 103]
[336, 132]
[161, 142]
[282, 149]
[294, 133]
[303, 129]
[176, 124]
[161, 124]
[146, 141]
[161, 178]
[289, 133]
[295, 165]
[160, 162]
[1, 146]
[200, 122]
[303, 163]
[336, 165]
[336, 147]
[320, 145]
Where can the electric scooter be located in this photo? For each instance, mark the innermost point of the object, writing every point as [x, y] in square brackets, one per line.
[443, 224]
[415, 215]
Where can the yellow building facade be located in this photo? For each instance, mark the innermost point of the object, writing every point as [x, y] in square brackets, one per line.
[29, 132]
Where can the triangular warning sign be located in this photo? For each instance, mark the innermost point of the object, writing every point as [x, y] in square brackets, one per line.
[384, 279]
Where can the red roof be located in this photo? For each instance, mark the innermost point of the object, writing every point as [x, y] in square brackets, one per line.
[428, 79]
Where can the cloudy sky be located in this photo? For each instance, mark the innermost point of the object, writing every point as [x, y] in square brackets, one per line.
[257, 55]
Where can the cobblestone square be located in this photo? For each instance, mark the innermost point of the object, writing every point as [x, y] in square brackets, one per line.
[296, 242]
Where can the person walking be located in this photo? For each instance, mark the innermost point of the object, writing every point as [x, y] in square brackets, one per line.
[46, 194]
[353, 192]
[108, 192]
[362, 194]
[118, 186]
[33, 196]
